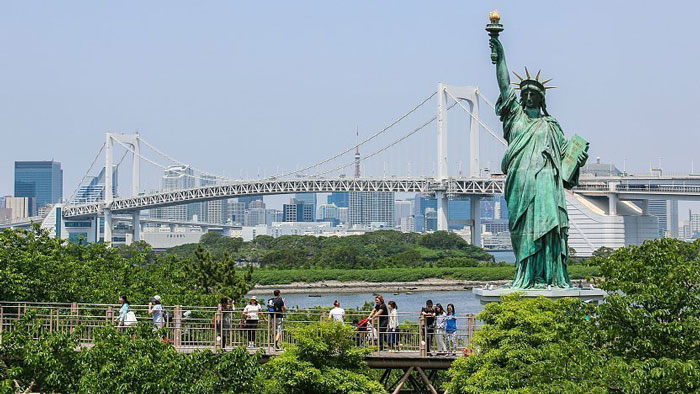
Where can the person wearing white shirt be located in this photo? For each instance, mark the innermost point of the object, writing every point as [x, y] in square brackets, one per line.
[251, 312]
[337, 313]
[393, 325]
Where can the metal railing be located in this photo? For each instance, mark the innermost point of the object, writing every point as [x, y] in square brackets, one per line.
[190, 328]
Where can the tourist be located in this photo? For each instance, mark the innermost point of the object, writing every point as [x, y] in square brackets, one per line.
[277, 307]
[123, 311]
[223, 323]
[252, 314]
[440, 323]
[381, 311]
[393, 326]
[451, 330]
[428, 316]
[155, 309]
[337, 313]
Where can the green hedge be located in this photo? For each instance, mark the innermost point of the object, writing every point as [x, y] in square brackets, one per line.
[279, 277]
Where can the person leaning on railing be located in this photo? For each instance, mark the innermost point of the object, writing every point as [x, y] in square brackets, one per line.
[381, 311]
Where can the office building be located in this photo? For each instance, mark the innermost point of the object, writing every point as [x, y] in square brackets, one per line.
[236, 212]
[308, 199]
[659, 209]
[177, 178]
[408, 224]
[343, 215]
[402, 209]
[422, 202]
[255, 217]
[600, 169]
[273, 216]
[297, 211]
[693, 224]
[366, 208]
[21, 207]
[5, 215]
[248, 199]
[340, 199]
[430, 220]
[327, 211]
[92, 188]
[40, 180]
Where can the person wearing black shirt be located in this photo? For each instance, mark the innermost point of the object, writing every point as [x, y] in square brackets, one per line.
[428, 315]
[381, 311]
[278, 316]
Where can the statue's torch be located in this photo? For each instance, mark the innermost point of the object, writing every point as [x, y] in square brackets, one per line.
[494, 28]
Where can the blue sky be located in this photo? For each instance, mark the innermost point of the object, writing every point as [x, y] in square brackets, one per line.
[240, 88]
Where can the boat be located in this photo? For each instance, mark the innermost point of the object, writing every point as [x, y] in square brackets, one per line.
[314, 295]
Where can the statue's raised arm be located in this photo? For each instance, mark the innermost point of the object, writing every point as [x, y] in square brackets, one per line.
[499, 56]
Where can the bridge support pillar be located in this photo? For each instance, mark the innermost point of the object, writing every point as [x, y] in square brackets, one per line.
[97, 228]
[108, 225]
[441, 198]
[612, 204]
[136, 223]
[475, 205]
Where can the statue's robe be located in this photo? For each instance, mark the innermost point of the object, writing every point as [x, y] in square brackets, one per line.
[534, 192]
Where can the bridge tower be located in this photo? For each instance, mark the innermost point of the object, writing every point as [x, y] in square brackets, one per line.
[134, 142]
[457, 93]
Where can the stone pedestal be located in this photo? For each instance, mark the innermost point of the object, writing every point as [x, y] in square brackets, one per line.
[494, 294]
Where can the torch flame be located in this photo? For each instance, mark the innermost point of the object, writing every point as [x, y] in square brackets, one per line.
[494, 16]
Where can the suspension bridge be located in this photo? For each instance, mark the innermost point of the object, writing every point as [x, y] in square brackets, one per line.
[458, 104]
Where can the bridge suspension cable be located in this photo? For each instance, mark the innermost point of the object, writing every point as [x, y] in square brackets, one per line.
[164, 167]
[414, 131]
[499, 139]
[165, 155]
[99, 152]
[368, 139]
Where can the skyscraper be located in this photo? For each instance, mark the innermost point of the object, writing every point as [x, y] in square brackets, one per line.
[308, 199]
[402, 209]
[93, 188]
[340, 199]
[177, 178]
[248, 199]
[297, 211]
[371, 207]
[40, 180]
[658, 209]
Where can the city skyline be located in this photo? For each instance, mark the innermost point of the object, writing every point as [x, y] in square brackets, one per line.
[61, 55]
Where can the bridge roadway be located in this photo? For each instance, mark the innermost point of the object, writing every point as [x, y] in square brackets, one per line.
[627, 187]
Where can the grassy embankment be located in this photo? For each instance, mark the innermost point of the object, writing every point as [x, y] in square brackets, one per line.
[279, 277]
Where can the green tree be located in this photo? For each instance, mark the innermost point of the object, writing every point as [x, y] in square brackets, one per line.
[653, 310]
[644, 338]
[530, 345]
[323, 361]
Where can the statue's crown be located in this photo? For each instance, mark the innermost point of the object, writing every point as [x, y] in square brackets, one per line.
[530, 83]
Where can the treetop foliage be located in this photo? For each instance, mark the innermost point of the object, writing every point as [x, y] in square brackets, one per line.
[644, 338]
[36, 267]
[375, 249]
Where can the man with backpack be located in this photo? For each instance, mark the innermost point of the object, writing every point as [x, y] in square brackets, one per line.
[276, 309]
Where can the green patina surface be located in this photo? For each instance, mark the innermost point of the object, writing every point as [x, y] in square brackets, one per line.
[534, 189]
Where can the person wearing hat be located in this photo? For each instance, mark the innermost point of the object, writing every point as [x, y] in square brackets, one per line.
[252, 314]
[155, 309]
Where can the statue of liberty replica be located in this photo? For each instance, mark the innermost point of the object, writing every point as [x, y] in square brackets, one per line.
[539, 163]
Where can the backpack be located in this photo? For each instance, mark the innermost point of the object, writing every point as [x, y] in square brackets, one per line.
[271, 305]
